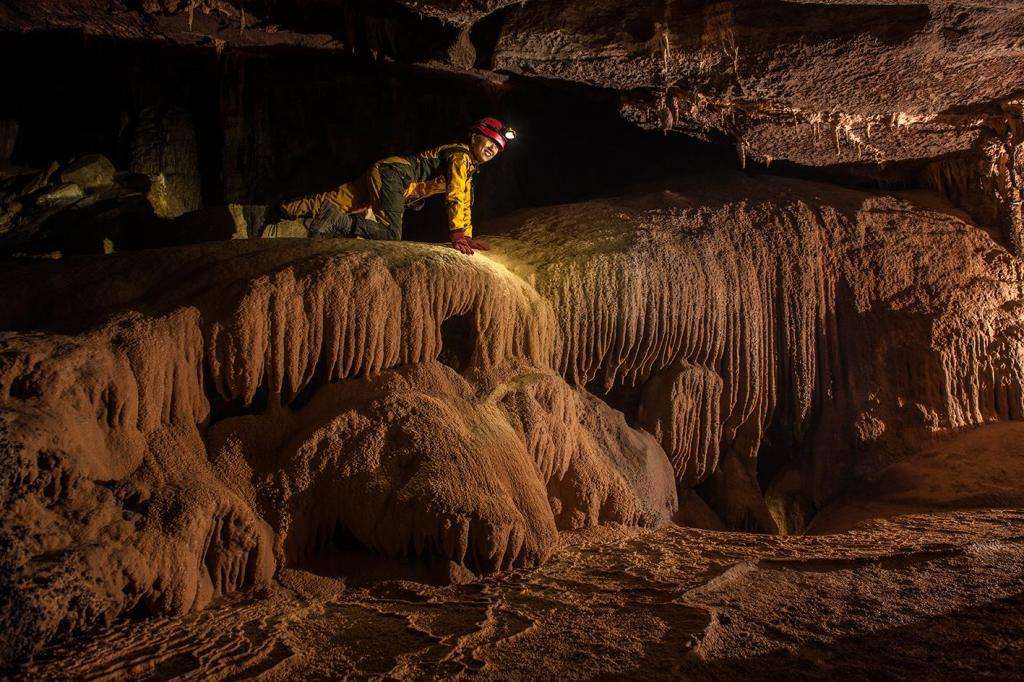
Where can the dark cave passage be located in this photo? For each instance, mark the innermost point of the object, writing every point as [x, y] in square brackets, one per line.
[260, 126]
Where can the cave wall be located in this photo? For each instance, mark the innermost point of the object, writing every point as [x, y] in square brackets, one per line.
[739, 337]
[862, 92]
[988, 184]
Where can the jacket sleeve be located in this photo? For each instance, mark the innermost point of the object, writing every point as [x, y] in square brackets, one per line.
[460, 193]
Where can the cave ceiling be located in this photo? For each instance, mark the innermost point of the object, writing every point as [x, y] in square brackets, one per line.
[816, 83]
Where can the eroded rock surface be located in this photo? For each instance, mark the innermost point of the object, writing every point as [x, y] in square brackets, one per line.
[121, 495]
[183, 424]
[631, 604]
[675, 291]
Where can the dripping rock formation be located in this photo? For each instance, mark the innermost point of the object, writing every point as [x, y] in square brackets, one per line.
[184, 424]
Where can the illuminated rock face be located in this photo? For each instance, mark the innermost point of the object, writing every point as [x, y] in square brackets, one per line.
[263, 398]
[158, 460]
[827, 324]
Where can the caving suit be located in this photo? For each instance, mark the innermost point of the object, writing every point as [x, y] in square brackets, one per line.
[390, 183]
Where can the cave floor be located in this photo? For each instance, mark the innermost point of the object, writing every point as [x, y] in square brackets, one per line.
[918, 595]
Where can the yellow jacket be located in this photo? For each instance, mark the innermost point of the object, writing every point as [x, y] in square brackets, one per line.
[449, 169]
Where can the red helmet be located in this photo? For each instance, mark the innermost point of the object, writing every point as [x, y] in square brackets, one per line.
[494, 130]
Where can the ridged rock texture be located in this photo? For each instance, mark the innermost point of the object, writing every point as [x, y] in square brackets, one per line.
[182, 424]
[825, 324]
[816, 83]
[280, 396]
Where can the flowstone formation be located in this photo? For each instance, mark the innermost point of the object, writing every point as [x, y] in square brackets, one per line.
[664, 334]
[183, 424]
[780, 343]
[286, 395]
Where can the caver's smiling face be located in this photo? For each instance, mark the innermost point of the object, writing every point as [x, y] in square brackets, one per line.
[483, 148]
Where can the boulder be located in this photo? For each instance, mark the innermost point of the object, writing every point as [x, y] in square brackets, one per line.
[89, 172]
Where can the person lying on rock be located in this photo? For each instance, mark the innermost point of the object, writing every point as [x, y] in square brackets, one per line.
[392, 183]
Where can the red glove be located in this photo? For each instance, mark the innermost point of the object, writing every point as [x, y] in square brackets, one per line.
[464, 244]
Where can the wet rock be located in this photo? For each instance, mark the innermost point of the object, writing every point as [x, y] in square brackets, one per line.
[89, 172]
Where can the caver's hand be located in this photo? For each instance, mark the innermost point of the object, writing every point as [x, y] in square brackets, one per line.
[462, 243]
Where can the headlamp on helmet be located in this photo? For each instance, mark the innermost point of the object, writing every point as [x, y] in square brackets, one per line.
[494, 130]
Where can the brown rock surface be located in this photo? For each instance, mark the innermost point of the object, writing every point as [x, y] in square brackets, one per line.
[976, 469]
[773, 294]
[628, 604]
[846, 80]
[817, 82]
[183, 424]
[117, 488]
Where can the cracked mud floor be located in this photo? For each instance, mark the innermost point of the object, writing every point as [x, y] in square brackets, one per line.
[935, 595]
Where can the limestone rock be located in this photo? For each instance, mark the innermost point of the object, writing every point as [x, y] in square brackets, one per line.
[846, 81]
[772, 293]
[89, 172]
[63, 194]
[680, 408]
[480, 470]
[271, 396]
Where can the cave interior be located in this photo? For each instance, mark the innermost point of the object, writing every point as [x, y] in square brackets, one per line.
[740, 377]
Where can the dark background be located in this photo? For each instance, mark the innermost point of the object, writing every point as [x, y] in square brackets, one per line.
[258, 126]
